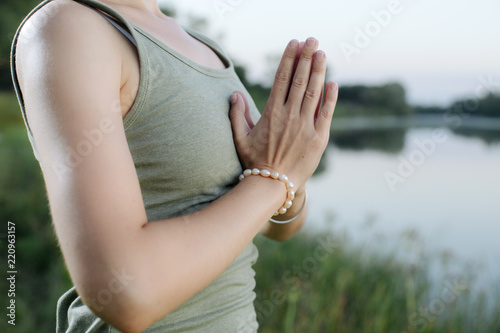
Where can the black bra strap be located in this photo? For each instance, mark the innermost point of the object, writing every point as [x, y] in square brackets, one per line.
[116, 25]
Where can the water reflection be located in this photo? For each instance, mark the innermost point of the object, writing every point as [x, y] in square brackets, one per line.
[387, 133]
[451, 200]
[390, 141]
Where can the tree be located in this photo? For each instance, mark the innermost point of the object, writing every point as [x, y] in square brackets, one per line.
[391, 97]
[12, 13]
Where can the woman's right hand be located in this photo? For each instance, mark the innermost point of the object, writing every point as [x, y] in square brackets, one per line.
[294, 128]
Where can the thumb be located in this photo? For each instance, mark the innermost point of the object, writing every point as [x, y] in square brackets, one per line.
[238, 115]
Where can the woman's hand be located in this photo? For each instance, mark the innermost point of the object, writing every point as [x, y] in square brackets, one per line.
[294, 129]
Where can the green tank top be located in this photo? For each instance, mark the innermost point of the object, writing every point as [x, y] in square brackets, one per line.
[179, 134]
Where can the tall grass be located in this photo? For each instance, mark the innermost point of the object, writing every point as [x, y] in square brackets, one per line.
[356, 289]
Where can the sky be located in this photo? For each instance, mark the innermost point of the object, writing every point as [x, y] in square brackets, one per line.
[439, 50]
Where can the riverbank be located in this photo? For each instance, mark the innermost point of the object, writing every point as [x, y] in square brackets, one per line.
[324, 283]
[415, 121]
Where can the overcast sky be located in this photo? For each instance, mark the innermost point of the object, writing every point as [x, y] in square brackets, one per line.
[438, 49]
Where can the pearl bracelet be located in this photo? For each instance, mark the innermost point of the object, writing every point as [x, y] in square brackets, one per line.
[290, 192]
[293, 218]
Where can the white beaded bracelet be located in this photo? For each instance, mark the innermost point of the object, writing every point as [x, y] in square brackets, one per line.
[293, 218]
[290, 192]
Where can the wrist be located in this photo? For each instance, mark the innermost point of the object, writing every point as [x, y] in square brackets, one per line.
[276, 177]
[299, 206]
[273, 191]
[300, 193]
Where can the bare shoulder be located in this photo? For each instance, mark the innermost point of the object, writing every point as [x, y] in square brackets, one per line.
[69, 66]
[56, 17]
[62, 26]
[65, 40]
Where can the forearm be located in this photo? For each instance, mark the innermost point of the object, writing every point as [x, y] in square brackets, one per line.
[172, 260]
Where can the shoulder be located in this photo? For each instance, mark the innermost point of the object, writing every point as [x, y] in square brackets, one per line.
[56, 17]
[63, 26]
[64, 40]
[67, 55]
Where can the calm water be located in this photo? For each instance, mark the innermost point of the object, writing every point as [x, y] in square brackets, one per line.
[448, 206]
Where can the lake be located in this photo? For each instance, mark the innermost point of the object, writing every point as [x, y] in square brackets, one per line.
[438, 195]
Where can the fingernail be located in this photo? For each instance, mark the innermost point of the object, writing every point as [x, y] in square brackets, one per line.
[310, 42]
[294, 44]
[233, 98]
[320, 55]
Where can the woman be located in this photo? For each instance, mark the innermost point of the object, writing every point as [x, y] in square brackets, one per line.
[142, 130]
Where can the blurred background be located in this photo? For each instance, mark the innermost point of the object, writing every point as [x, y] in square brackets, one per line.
[405, 206]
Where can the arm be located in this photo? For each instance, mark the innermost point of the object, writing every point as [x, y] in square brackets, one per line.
[70, 73]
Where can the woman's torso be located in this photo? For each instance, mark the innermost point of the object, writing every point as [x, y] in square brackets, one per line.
[179, 134]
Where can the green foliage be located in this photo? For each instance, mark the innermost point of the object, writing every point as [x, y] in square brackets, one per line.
[467, 109]
[259, 92]
[388, 99]
[41, 278]
[12, 13]
[10, 113]
[356, 289]
[488, 106]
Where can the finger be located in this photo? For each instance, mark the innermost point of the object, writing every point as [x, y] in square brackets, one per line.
[248, 115]
[325, 114]
[302, 73]
[237, 115]
[316, 112]
[312, 95]
[296, 62]
[281, 84]
[297, 55]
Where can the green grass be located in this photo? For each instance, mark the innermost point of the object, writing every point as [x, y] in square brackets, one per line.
[41, 277]
[355, 289]
[10, 113]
